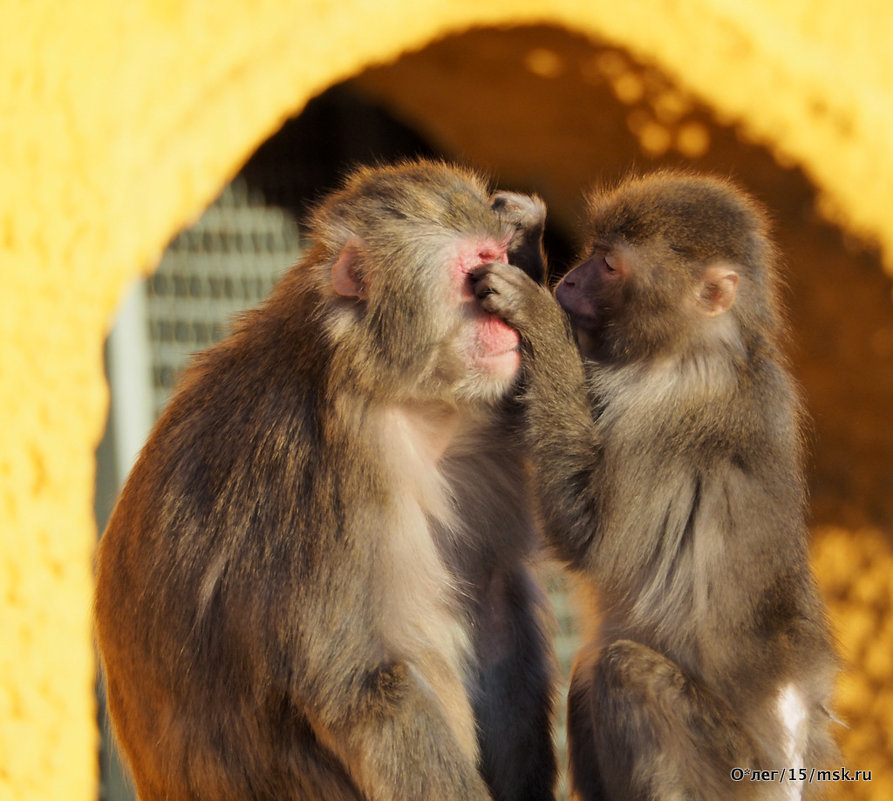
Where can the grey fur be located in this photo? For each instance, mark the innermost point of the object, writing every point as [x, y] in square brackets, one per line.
[670, 480]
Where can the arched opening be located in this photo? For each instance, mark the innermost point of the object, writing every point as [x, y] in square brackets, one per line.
[544, 110]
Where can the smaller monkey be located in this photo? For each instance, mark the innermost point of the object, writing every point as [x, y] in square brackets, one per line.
[670, 481]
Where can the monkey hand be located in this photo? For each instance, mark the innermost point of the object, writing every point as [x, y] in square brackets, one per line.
[526, 215]
[525, 305]
[526, 212]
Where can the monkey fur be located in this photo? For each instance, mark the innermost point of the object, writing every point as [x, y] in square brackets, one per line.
[317, 582]
[669, 472]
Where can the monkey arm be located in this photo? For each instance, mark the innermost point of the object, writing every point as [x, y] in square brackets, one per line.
[402, 748]
[377, 686]
[562, 437]
[386, 724]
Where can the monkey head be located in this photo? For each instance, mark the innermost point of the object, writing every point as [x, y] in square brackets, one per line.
[672, 260]
[397, 245]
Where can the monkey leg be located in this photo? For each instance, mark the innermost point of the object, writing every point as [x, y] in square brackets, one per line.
[201, 752]
[656, 733]
[513, 697]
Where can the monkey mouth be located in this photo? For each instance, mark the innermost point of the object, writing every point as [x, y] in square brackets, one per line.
[497, 346]
[588, 320]
[496, 335]
[585, 317]
[500, 354]
[502, 366]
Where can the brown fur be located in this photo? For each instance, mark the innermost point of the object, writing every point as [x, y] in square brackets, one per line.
[295, 584]
[670, 480]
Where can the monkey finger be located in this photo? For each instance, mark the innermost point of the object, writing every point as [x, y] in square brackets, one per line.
[492, 291]
[488, 295]
[500, 301]
[502, 272]
[488, 304]
[483, 277]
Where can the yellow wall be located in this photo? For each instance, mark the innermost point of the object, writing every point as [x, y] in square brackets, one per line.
[120, 119]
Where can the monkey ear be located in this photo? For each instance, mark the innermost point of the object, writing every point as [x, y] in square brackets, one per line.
[717, 289]
[347, 279]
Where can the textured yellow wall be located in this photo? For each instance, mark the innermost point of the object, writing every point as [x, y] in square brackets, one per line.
[120, 119]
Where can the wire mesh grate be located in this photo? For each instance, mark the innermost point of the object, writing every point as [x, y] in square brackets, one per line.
[224, 264]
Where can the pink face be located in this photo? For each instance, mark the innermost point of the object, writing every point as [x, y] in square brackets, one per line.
[494, 347]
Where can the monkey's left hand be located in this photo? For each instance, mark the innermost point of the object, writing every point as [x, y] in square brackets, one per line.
[526, 212]
[526, 306]
[527, 215]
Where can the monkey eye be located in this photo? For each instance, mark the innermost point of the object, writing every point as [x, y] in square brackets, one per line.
[681, 250]
[610, 262]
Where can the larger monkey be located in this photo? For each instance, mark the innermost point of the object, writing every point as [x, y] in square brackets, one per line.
[314, 584]
[670, 480]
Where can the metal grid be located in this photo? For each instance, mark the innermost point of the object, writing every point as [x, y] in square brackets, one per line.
[227, 262]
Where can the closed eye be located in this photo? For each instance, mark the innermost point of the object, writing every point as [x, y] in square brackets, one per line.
[682, 250]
